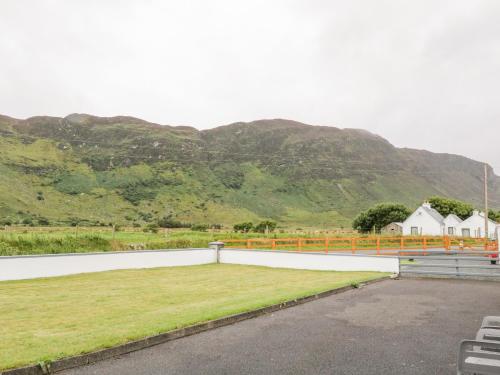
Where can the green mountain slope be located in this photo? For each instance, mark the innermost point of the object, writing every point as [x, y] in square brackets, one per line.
[121, 169]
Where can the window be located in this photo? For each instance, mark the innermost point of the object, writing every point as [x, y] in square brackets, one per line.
[414, 231]
[451, 231]
[465, 232]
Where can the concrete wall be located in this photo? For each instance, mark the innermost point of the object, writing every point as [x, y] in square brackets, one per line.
[29, 267]
[310, 261]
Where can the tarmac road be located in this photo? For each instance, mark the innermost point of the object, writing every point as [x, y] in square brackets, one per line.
[407, 326]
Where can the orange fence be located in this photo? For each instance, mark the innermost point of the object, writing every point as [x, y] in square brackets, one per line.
[378, 245]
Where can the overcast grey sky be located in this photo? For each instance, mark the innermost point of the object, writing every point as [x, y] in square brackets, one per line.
[421, 73]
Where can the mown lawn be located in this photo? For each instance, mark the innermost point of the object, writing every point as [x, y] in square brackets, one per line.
[45, 319]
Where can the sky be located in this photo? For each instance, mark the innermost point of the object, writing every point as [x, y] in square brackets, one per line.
[423, 74]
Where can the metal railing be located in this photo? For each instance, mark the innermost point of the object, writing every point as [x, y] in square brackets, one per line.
[479, 263]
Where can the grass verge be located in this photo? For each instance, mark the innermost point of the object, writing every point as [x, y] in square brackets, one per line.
[46, 319]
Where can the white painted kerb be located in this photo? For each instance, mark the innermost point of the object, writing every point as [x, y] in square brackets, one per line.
[29, 267]
[310, 261]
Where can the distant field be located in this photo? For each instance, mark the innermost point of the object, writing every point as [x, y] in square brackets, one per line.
[45, 319]
[23, 241]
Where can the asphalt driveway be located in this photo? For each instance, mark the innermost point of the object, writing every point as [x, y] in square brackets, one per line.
[408, 326]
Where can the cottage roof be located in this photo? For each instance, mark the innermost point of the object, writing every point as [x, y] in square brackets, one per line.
[431, 211]
[481, 215]
[453, 216]
[493, 222]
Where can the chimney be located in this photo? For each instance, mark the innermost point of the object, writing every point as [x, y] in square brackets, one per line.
[426, 205]
[475, 213]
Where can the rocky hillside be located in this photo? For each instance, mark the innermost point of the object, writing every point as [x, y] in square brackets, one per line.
[92, 170]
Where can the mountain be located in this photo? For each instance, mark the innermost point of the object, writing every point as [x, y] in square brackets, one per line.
[93, 170]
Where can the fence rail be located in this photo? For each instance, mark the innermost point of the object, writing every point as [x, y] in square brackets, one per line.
[379, 245]
[463, 263]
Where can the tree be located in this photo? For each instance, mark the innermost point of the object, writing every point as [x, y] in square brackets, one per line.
[447, 206]
[169, 222]
[243, 227]
[494, 215]
[379, 216]
[264, 226]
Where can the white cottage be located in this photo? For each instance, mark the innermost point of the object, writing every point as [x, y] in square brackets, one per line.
[424, 221]
[450, 224]
[474, 226]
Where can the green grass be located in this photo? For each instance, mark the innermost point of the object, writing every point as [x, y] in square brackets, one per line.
[407, 261]
[46, 319]
[57, 241]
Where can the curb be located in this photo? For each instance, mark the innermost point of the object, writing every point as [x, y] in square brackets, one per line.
[89, 358]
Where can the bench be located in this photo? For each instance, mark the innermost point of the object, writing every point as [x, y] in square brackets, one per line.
[479, 357]
[482, 355]
[491, 322]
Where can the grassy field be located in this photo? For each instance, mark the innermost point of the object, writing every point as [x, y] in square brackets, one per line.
[45, 319]
[56, 241]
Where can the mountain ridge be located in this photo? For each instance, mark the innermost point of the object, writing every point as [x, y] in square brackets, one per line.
[298, 174]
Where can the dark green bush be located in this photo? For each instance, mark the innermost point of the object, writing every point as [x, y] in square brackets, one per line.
[199, 227]
[170, 222]
[264, 226]
[151, 228]
[243, 227]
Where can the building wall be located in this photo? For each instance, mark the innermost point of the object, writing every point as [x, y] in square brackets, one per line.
[450, 222]
[475, 224]
[425, 223]
[392, 229]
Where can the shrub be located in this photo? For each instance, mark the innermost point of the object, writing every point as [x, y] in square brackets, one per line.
[264, 226]
[243, 227]
[74, 221]
[199, 227]
[5, 222]
[43, 221]
[170, 222]
[27, 221]
[151, 228]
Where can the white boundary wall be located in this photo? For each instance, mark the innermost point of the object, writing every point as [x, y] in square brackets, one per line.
[34, 266]
[310, 261]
